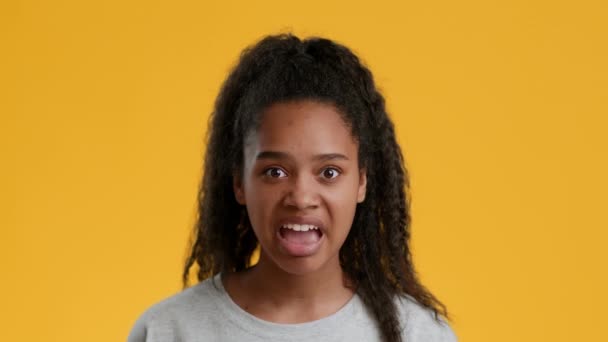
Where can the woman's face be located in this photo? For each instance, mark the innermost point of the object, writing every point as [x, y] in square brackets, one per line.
[301, 184]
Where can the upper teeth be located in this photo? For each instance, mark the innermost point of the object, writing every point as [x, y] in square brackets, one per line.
[300, 227]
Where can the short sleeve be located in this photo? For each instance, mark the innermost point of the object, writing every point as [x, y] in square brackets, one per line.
[138, 331]
[420, 323]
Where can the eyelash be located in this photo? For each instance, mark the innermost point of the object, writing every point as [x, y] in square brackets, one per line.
[332, 168]
[266, 172]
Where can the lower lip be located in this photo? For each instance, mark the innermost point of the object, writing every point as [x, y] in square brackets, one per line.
[299, 249]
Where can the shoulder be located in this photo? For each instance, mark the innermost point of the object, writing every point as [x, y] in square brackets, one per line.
[420, 323]
[165, 316]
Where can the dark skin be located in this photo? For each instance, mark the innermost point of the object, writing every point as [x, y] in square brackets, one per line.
[300, 163]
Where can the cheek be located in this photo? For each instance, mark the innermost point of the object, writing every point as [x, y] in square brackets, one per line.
[345, 193]
[342, 204]
[261, 202]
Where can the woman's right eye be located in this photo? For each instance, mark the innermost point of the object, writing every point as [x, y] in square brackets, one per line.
[275, 172]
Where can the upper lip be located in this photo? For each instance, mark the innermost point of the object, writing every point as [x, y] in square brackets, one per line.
[302, 220]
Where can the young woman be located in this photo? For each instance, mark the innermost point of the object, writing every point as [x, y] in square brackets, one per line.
[302, 162]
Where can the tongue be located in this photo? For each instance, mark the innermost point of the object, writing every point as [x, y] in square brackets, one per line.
[308, 237]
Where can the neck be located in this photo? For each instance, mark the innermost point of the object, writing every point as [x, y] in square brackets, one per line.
[268, 280]
[270, 293]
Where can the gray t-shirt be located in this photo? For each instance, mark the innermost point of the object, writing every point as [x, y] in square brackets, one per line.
[205, 312]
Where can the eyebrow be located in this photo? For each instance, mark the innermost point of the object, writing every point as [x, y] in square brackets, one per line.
[285, 155]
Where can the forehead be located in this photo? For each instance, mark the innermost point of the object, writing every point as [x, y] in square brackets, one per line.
[302, 127]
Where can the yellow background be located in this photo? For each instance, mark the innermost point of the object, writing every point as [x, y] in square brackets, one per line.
[500, 108]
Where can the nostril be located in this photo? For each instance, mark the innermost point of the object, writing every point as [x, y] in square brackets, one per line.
[300, 201]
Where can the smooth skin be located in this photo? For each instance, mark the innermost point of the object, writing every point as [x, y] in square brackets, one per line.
[302, 162]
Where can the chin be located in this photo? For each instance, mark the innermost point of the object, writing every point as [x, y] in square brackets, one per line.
[301, 266]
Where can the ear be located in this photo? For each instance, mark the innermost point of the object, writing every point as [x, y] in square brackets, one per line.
[362, 185]
[237, 186]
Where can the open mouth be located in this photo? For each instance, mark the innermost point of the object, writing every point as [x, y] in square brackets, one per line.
[300, 240]
[301, 233]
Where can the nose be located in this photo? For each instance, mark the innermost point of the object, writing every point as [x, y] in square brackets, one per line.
[302, 193]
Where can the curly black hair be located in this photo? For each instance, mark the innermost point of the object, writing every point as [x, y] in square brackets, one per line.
[376, 254]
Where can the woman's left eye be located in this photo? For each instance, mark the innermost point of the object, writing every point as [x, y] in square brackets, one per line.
[330, 173]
